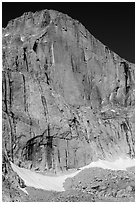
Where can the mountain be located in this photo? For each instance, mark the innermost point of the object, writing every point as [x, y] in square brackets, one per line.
[67, 99]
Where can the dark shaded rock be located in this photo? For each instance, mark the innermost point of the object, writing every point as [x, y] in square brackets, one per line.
[67, 99]
[11, 184]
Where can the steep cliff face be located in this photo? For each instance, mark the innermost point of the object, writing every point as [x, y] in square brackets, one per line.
[67, 99]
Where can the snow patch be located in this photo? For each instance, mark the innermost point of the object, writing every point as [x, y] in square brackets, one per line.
[55, 183]
[24, 190]
[119, 164]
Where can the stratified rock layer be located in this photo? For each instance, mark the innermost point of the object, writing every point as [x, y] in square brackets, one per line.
[67, 99]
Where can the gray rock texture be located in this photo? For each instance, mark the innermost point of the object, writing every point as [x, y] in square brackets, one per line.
[67, 99]
[104, 185]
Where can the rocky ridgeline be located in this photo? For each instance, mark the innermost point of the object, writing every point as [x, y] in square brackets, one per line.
[67, 99]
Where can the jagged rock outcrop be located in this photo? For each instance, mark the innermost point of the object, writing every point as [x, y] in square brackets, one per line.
[67, 99]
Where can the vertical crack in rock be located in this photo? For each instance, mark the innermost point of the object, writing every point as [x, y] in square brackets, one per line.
[49, 149]
[4, 91]
[44, 105]
[35, 46]
[25, 99]
[25, 59]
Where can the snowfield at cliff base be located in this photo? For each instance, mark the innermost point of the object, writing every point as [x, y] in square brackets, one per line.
[37, 180]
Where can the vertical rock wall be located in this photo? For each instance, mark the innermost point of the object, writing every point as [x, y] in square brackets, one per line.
[67, 99]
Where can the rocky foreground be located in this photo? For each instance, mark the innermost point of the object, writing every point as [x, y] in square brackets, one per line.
[67, 99]
[90, 185]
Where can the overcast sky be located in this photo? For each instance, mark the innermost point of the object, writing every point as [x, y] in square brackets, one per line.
[111, 23]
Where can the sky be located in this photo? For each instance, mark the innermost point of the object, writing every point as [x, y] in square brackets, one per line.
[111, 23]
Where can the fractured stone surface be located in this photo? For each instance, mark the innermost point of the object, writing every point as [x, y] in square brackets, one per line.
[67, 99]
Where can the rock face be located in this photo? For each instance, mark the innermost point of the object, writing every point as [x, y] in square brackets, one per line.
[67, 99]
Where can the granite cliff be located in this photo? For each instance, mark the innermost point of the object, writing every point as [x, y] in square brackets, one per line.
[67, 99]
